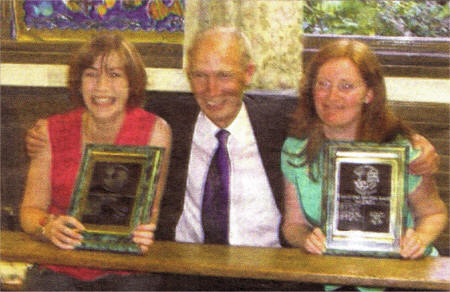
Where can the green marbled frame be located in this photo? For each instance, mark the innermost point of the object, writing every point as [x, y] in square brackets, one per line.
[117, 237]
[338, 204]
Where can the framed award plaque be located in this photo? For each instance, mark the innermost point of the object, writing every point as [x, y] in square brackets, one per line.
[364, 192]
[114, 192]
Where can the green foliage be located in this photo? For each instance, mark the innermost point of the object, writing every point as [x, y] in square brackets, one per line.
[384, 17]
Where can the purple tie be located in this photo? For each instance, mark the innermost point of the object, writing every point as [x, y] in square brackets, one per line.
[215, 194]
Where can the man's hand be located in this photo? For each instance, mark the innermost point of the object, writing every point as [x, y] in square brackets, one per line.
[36, 139]
[428, 162]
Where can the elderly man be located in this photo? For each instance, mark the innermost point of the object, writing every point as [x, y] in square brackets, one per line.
[219, 69]
[249, 209]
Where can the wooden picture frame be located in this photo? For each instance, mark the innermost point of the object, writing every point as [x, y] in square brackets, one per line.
[114, 193]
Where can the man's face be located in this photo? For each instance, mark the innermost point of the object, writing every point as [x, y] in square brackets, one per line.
[218, 79]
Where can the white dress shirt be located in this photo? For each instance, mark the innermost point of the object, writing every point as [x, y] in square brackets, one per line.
[254, 216]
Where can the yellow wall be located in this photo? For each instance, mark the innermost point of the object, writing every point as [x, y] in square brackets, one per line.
[406, 89]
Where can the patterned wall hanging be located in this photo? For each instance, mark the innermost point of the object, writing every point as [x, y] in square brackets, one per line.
[75, 20]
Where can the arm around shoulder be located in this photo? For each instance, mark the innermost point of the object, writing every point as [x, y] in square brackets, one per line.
[428, 162]
[37, 138]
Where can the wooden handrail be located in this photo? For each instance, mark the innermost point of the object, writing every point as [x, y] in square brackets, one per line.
[286, 264]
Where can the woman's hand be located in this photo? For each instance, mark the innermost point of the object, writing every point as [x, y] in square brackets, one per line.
[411, 245]
[63, 231]
[315, 241]
[143, 236]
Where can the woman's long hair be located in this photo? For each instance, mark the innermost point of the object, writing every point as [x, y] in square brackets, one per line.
[378, 123]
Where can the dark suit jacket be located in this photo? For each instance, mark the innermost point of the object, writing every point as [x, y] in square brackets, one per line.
[268, 116]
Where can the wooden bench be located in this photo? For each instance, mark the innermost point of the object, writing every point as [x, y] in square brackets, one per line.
[22, 106]
[285, 264]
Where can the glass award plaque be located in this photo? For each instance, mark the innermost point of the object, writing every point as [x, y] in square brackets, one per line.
[364, 191]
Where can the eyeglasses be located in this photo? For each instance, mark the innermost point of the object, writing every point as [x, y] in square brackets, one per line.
[342, 86]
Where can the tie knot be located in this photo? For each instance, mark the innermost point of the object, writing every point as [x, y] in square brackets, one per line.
[222, 136]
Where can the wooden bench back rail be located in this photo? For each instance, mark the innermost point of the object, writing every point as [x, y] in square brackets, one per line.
[22, 106]
[285, 264]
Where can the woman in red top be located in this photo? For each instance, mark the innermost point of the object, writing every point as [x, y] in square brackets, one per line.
[107, 85]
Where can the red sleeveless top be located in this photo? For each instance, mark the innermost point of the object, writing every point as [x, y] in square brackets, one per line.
[65, 140]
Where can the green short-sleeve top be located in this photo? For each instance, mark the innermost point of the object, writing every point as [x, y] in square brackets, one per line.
[309, 191]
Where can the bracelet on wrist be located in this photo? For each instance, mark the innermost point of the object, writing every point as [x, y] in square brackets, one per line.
[43, 221]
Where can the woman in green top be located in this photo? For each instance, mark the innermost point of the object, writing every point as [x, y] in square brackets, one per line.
[343, 98]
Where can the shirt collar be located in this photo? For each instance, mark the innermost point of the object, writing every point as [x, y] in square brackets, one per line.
[240, 129]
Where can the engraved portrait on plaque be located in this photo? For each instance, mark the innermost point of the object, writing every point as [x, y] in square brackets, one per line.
[111, 196]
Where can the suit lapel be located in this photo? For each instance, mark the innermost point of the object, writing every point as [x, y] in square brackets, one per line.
[183, 134]
[269, 138]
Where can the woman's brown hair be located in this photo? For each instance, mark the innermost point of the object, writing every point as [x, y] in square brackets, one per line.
[102, 45]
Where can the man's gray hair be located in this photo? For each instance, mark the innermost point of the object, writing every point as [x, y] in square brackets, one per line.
[242, 40]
